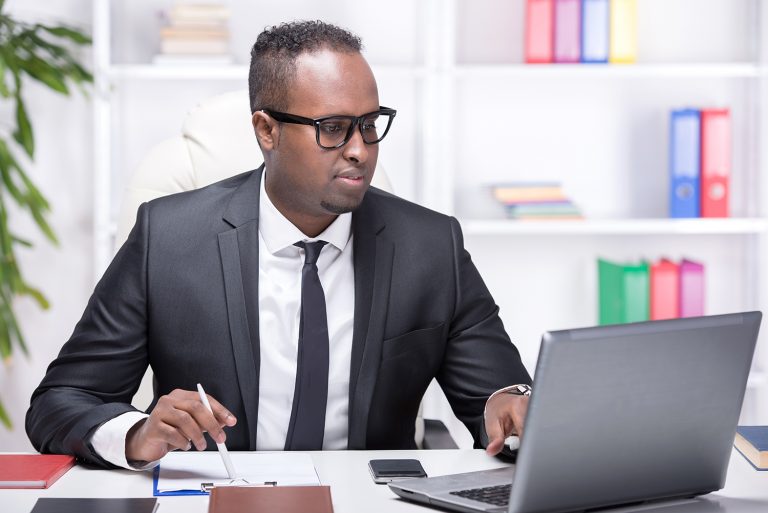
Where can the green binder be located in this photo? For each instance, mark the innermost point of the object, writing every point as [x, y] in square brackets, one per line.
[624, 292]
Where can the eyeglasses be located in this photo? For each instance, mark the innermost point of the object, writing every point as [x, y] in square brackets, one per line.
[334, 132]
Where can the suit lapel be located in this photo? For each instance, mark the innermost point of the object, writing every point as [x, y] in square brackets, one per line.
[239, 249]
[373, 269]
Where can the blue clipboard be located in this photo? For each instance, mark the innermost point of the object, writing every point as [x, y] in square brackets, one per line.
[158, 493]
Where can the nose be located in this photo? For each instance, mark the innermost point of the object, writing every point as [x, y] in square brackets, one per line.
[356, 150]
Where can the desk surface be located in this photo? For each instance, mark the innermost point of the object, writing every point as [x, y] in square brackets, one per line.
[352, 489]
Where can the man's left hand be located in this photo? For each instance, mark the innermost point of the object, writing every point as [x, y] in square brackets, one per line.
[504, 417]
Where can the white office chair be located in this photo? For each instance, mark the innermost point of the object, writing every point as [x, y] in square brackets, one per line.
[216, 142]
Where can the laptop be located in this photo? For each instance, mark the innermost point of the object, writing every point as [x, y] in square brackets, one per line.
[619, 415]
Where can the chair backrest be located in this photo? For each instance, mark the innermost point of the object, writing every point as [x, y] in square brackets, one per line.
[216, 142]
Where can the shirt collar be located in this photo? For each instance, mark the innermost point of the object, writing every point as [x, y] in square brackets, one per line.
[279, 233]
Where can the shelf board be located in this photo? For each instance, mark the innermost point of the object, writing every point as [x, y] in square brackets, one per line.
[757, 379]
[728, 226]
[671, 70]
[224, 71]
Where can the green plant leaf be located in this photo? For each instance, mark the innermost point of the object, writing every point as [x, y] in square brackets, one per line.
[23, 242]
[43, 72]
[44, 226]
[12, 327]
[35, 294]
[4, 418]
[72, 34]
[23, 133]
[4, 91]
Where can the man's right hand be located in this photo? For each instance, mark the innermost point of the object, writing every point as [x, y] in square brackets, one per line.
[177, 422]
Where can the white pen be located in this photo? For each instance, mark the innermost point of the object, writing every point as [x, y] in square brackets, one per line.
[222, 448]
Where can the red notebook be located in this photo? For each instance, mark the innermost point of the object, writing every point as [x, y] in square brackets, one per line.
[32, 470]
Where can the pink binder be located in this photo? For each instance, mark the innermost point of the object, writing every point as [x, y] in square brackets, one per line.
[567, 31]
[665, 290]
[691, 289]
[538, 31]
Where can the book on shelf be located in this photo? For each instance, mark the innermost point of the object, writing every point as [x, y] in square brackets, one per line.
[567, 30]
[665, 290]
[715, 161]
[623, 31]
[623, 292]
[691, 288]
[684, 162]
[752, 443]
[193, 47]
[632, 292]
[539, 21]
[183, 12]
[32, 470]
[595, 23]
[192, 60]
[535, 200]
[195, 30]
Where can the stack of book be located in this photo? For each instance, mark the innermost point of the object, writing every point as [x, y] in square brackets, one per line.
[699, 162]
[535, 200]
[641, 291]
[590, 31]
[195, 34]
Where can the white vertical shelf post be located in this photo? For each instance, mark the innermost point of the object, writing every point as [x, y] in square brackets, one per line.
[760, 252]
[102, 147]
[437, 181]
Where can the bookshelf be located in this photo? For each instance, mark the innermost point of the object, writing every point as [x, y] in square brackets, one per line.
[471, 113]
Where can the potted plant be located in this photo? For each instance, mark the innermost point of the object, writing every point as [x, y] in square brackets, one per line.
[38, 52]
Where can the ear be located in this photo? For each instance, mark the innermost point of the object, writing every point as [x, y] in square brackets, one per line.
[266, 130]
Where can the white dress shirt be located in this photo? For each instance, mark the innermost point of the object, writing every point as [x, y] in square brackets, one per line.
[280, 264]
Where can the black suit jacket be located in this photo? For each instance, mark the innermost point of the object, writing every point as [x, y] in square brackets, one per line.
[181, 295]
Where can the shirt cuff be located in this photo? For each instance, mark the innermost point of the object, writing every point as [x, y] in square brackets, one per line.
[109, 441]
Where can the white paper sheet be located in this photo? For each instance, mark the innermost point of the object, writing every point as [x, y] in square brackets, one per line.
[187, 470]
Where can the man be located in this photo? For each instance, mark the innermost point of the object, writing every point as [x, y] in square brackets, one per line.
[314, 310]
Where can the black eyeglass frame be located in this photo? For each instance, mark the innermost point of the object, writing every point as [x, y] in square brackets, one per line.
[356, 121]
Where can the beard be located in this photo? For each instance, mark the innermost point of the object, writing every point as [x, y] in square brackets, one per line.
[339, 208]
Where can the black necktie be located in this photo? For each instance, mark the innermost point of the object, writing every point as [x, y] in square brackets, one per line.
[310, 395]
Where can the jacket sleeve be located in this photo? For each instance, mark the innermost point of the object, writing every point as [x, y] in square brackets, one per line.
[100, 367]
[479, 358]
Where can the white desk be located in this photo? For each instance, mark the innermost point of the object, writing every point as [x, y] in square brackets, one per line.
[352, 489]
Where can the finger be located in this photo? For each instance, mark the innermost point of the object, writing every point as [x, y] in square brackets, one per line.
[171, 436]
[203, 418]
[187, 425]
[496, 436]
[223, 415]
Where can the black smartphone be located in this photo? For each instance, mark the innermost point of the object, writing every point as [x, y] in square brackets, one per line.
[385, 471]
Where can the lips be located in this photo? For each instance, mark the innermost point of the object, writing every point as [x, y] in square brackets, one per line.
[350, 175]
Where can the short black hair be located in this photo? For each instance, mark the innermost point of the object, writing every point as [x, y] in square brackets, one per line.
[273, 57]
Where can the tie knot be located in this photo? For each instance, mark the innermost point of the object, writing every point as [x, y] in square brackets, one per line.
[311, 250]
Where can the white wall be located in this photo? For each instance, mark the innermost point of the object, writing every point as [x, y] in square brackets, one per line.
[63, 171]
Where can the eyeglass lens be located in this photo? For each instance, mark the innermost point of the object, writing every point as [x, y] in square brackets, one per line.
[337, 130]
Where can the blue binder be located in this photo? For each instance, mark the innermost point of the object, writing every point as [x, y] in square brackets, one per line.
[684, 159]
[595, 28]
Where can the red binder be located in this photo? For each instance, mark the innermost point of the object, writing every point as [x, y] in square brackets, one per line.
[715, 161]
[539, 36]
[665, 290]
[32, 470]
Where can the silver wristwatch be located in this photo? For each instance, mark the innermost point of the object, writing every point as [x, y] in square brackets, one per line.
[519, 390]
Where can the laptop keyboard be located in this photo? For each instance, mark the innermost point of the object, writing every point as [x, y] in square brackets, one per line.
[496, 495]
